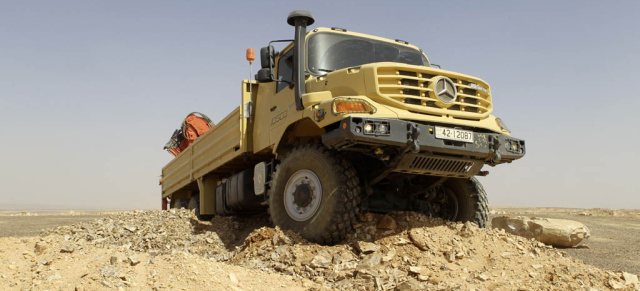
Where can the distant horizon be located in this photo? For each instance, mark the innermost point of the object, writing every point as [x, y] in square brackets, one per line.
[9, 208]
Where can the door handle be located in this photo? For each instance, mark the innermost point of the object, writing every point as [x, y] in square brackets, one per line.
[273, 108]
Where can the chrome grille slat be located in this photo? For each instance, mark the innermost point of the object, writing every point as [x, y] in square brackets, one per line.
[400, 96]
[470, 105]
[400, 77]
[479, 98]
[400, 87]
[399, 84]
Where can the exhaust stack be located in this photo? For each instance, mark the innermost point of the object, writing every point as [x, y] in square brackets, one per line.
[299, 19]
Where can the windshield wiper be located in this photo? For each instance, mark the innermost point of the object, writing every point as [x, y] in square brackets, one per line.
[326, 70]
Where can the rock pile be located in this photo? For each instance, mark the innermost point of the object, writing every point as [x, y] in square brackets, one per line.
[401, 251]
[422, 253]
[156, 232]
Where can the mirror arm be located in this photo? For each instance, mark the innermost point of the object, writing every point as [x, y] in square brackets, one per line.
[272, 59]
[283, 81]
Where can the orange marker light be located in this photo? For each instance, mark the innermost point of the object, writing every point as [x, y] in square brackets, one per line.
[251, 54]
[350, 107]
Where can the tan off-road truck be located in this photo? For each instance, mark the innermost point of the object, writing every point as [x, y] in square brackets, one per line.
[339, 122]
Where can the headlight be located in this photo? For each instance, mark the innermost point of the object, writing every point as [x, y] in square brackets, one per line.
[377, 127]
[352, 105]
[514, 146]
[382, 128]
[368, 128]
[502, 125]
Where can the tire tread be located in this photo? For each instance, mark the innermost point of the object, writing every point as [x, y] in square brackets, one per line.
[343, 217]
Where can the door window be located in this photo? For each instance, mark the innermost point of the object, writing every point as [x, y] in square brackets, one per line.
[285, 70]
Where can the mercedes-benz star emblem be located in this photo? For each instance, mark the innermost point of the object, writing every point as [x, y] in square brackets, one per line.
[445, 90]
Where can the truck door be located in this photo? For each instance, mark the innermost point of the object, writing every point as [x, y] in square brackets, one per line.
[284, 97]
[276, 105]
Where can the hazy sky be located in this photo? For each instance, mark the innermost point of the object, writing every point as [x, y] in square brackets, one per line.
[90, 91]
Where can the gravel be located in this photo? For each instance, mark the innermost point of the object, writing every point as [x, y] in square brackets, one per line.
[401, 251]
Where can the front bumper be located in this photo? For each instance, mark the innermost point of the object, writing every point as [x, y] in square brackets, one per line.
[450, 158]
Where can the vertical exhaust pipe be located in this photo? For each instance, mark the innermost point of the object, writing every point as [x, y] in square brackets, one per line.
[299, 19]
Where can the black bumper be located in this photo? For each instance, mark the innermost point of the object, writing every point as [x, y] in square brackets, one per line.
[491, 148]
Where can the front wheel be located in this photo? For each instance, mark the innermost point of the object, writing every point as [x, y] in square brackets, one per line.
[465, 200]
[315, 194]
[179, 203]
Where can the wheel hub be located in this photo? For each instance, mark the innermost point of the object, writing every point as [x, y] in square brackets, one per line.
[440, 203]
[302, 195]
[445, 205]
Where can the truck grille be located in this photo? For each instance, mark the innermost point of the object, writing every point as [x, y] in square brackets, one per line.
[410, 87]
[438, 166]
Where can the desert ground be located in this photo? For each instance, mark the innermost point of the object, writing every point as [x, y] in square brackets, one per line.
[615, 235]
[171, 250]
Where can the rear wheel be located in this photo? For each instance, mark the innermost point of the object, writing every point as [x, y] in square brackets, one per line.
[194, 203]
[316, 194]
[180, 203]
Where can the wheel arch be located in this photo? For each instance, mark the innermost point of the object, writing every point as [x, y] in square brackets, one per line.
[301, 132]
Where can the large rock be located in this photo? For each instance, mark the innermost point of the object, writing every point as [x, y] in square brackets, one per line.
[367, 247]
[420, 238]
[550, 231]
[387, 223]
[321, 260]
[370, 261]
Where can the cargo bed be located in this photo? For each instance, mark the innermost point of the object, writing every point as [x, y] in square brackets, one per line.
[220, 151]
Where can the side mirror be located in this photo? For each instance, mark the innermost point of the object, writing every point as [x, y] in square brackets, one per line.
[267, 62]
[267, 54]
[264, 75]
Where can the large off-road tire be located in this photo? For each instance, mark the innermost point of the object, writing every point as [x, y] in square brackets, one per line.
[194, 203]
[180, 203]
[316, 194]
[472, 202]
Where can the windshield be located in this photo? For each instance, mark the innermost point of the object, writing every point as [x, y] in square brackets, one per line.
[329, 51]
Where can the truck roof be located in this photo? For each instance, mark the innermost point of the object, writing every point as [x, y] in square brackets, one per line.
[339, 30]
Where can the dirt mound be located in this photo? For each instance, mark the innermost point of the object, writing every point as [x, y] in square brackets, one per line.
[155, 232]
[404, 251]
[409, 251]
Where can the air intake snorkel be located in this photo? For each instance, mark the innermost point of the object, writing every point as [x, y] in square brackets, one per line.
[299, 19]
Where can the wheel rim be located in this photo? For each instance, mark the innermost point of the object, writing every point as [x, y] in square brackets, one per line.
[445, 205]
[302, 195]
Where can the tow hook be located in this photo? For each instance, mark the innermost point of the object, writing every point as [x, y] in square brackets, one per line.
[494, 144]
[412, 138]
[413, 131]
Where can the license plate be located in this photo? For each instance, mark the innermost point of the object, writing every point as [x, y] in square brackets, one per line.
[454, 134]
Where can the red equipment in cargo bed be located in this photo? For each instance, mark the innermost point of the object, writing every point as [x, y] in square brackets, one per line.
[194, 125]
